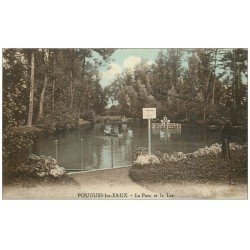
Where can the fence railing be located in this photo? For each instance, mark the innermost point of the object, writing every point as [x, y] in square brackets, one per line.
[81, 169]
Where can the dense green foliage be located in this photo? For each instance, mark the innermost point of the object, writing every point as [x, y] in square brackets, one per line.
[66, 86]
[187, 85]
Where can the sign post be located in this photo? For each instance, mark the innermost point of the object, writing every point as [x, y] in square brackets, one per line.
[149, 136]
[149, 113]
[82, 154]
[56, 142]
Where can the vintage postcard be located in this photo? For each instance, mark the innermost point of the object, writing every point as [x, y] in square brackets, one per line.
[124, 123]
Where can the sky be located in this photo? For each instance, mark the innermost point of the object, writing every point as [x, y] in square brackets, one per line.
[126, 59]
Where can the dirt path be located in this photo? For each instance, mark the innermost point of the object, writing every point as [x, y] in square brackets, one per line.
[116, 184]
[102, 184]
[201, 191]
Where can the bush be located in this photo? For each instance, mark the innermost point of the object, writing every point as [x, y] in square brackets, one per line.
[146, 160]
[39, 167]
[177, 156]
[89, 115]
[233, 146]
[138, 152]
[15, 148]
[59, 120]
[141, 157]
[206, 169]
[114, 110]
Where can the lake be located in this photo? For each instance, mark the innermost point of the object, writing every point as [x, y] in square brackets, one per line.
[95, 153]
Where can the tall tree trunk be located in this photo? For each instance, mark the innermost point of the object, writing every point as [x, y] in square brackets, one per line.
[166, 100]
[71, 91]
[40, 114]
[215, 61]
[53, 85]
[237, 83]
[83, 79]
[53, 95]
[234, 80]
[204, 113]
[32, 87]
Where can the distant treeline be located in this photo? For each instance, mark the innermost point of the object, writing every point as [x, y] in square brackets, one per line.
[187, 85]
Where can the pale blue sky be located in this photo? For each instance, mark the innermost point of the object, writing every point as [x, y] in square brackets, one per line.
[121, 54]
[126, 58]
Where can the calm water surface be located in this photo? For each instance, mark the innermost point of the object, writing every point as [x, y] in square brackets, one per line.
[96, 150]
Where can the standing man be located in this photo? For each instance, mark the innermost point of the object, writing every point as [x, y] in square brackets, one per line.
[226, 133]
[119, 127]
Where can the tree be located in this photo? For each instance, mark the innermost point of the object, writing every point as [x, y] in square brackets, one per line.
[167, 73]
[233, 66]
[46, 60]
[15, 105]
[32, 88]
[133, 90]
[204, 77]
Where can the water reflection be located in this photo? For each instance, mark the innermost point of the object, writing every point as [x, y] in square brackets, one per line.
[165, 135]
[97, 147]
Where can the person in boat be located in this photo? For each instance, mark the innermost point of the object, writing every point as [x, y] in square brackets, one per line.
[162, 134]
[124, 119]
[226, 134]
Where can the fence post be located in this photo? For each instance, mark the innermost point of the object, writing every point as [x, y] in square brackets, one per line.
[56, 142]
[31, 147]
[132, 150]
[112, 163]
[82, 154]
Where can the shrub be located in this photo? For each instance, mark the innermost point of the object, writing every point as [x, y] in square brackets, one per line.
[138, 152]
[234, 146]
[89, 115]
[59, 120]
[146, 160]
[41, 167]
[177, 156]
[141, 157]
[15, 148]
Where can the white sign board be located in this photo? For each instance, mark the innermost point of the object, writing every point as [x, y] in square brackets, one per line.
[149, 113]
